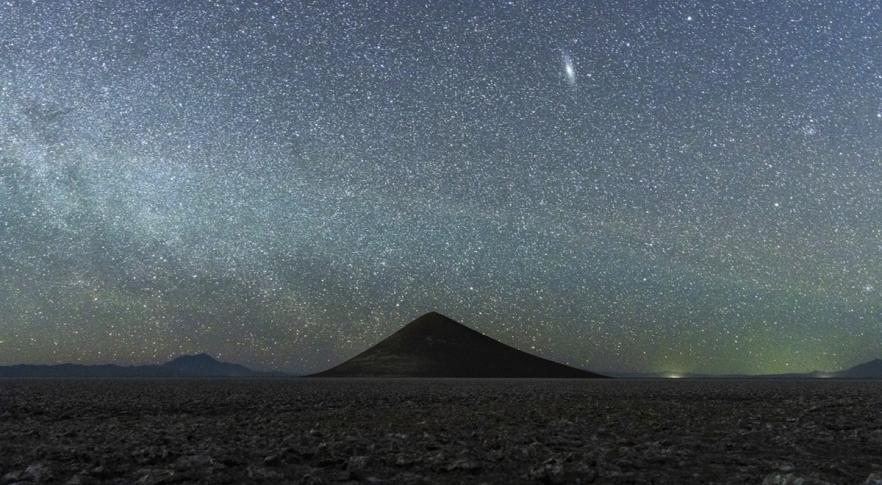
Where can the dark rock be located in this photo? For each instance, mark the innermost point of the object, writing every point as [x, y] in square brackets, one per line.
[196, 462]
[262, 473]
[559, 470]
[435, 459]
[404, 460]
[82, 478]
[875, 478]
[100, 472]
[465, 464]
[155, 476]
[36, 473]
[314, 477]
[534, 450]
[791, 479]
[408, 478]
[552, 471]
[357, 464]
[10, 477]
[150, 454]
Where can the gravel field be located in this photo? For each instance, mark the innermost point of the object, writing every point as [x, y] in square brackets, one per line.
[440, 431]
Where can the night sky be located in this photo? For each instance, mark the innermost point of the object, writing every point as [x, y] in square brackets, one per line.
[632, 186]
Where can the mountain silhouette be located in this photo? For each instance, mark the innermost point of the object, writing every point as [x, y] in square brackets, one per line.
[200, 365]
[867, 370]
[207, 366]
[436, 346]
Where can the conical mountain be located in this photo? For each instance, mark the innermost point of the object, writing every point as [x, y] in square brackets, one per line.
[436, 346]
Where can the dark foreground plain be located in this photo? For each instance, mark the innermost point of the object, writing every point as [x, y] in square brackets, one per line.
[440, 431]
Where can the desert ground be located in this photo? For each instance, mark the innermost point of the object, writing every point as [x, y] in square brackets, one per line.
[440, 431]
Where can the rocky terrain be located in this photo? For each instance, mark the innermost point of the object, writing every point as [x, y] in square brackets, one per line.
[440, 431]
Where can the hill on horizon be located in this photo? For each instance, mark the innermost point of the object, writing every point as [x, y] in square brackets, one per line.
[434, 345]
[867, 370]
[197, 365]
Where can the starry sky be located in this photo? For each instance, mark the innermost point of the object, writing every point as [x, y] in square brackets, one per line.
[690, 186]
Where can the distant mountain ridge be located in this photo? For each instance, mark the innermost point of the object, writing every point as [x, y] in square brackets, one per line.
[393, 359]
[198, 365]
[867, 370]
[206, 365]
[434, 345]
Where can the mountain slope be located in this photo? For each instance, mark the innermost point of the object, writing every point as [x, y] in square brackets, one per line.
[436, 346]
[867, 370]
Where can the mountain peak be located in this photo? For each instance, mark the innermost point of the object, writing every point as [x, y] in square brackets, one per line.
[435, 315]
[432, 319]
[201, 359]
